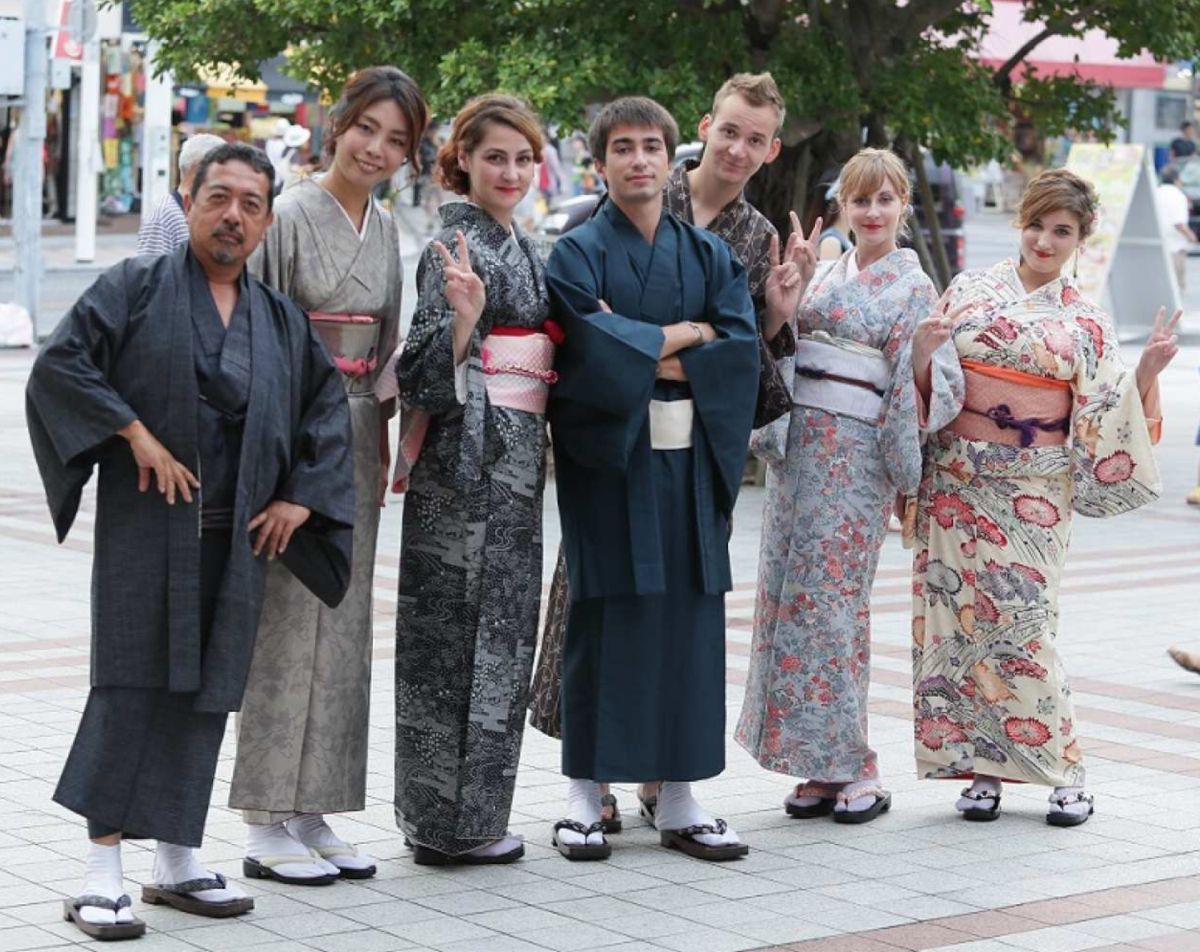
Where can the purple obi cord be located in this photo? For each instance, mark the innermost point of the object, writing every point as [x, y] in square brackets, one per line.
[1002, 416]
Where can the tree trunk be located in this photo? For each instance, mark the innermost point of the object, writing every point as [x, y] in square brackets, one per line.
[940, 260]
[789, 183]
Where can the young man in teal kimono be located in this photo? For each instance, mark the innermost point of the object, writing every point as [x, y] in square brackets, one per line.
[650, 418]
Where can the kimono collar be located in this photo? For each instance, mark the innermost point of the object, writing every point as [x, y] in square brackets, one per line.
[900, 261]
[620, 221]
[1051, 292]
[469, 216]
[678, 182]
[314, 182]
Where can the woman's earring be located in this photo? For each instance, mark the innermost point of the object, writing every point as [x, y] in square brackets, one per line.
[1075, 271]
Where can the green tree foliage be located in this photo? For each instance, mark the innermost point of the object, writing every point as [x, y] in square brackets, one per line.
[908, 75]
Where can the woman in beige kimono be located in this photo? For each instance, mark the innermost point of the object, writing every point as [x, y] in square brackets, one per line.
[1053, 422]
[302, 735]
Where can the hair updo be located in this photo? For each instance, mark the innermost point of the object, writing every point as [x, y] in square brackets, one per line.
[471, 125]
[1059, 190]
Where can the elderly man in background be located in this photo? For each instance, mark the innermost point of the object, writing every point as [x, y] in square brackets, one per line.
[165, 228]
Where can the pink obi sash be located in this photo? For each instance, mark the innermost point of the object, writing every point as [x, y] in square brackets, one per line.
[518, 368]
[1013, 407]
[351, 340]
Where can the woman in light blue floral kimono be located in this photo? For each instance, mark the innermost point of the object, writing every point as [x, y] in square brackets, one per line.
[851, 443]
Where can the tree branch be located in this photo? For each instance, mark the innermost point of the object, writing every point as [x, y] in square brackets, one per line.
[1002, 75]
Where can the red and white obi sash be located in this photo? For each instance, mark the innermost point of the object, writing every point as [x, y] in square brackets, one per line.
[518, 369]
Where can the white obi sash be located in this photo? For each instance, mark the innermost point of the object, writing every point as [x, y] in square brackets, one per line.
[671, 424]
[840, 376]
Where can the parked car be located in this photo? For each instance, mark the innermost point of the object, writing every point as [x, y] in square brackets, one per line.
[572, 211]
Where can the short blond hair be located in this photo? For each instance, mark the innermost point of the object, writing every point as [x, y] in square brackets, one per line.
[868, 171]
[758, 89]
[1059, 190]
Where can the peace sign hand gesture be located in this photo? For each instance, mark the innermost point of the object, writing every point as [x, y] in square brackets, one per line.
[784, 286]
[1161, 346]
[804, 251]
[464, 289]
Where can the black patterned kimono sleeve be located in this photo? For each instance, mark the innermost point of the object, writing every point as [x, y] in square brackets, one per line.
[425, 370]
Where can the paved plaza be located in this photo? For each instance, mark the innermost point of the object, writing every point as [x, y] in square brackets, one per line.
[916, 879]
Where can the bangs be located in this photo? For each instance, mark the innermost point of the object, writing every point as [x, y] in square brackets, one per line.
[869, 171]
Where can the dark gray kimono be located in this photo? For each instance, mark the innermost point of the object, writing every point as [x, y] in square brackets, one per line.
[162, 640]
[470, 556]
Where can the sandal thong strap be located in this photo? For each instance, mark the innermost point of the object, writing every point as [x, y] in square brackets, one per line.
[875, 791]
[215, 881]
[608, 800]
[810, 789]
[577, 827]
[1070, 799]
[977, 795]
[282, 859]
[327, 852]
[717, 827]
[103, 902]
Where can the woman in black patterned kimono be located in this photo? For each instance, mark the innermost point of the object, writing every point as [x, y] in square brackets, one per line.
[474, 377]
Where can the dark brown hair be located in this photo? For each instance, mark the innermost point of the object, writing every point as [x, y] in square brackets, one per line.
[471, 125]
[369, 86]
[1056, 190]
[639, 111]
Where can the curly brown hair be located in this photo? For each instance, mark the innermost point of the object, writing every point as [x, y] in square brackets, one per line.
[367, 87]
[1056, 190]
[471, 125]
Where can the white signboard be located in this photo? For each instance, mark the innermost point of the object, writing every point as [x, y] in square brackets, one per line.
[1125, 267]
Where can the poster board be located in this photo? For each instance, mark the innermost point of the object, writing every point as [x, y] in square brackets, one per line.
[1125, 266]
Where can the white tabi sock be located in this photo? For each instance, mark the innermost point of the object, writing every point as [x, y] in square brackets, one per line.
[174, 865]
[981, 784]
[583, 806]
[312, 830]
[678, 809]
[854, 801]
[829, 789]
[102, 876]
[265, 840]
[1074, 809]
[506, 844]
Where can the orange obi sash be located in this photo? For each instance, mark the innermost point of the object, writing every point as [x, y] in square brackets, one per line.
[1013, 407]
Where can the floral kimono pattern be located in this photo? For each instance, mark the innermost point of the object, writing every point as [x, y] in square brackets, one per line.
[992, 528]
[829, 498]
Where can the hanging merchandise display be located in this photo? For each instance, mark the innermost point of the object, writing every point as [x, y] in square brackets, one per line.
[124, 85]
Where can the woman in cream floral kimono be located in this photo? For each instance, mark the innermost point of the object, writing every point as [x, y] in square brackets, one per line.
[1053, 422]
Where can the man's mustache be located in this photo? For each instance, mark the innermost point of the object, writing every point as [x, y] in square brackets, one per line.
[231, 230]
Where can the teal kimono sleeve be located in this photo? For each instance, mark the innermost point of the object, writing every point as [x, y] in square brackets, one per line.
[724, 373]
[606, 367]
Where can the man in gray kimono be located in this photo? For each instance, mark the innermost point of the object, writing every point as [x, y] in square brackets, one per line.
[184, 374]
